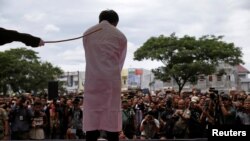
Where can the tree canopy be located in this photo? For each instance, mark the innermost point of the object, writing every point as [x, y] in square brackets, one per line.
[21, 70]
[185, 58]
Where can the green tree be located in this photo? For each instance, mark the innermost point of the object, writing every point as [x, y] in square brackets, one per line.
[6, 65]
[185, 58]
[21, 69]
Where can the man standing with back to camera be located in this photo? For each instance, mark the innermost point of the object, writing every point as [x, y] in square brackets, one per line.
[105, 52]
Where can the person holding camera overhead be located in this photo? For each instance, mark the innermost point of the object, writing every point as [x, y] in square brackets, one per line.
[227, 109]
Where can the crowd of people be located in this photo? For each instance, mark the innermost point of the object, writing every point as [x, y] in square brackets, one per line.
[168, 115]
[32, 117]
[163, 114]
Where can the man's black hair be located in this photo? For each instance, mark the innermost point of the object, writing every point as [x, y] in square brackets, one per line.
[110, 15]
[76, 101]
[22, 99]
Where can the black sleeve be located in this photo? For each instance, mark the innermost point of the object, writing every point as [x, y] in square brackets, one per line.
[8, 36]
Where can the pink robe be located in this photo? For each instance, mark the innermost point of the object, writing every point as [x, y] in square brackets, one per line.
[105, 52]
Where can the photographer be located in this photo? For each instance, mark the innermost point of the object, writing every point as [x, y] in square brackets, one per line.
[128, 120]
[75, 114]
[196, 129]
[243, 115]
[20, 120]
[181, 116]
[38, 122]
[149, 127]
[227, 109]
[207, 117]
[208, 109]
[166, 118]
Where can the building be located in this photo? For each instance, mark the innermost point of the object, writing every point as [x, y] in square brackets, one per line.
[243, 78]
[73, 81]
[138, 78]
[227, 78]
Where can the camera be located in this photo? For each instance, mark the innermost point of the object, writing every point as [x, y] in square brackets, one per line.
[206, 105]
[213, 94]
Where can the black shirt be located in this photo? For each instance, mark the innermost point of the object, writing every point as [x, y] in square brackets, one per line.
[8, 36]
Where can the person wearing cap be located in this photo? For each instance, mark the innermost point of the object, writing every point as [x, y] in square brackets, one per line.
[227, 109]
[8, 36]
[195, 99]
[195, 127]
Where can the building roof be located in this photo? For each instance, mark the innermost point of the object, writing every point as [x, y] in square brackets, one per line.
[242, 69]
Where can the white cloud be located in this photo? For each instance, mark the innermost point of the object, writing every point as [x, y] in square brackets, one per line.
[238, 23]
[73, 55]
[34, 17]
[51, 28]
[73, 67]
[131, 63]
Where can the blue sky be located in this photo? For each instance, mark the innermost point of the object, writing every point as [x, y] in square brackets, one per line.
[139, 20]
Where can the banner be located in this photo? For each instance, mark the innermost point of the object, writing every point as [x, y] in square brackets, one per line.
[133, 79]
[138, 71]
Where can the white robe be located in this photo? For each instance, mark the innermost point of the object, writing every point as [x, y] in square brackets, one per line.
[105, 52]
